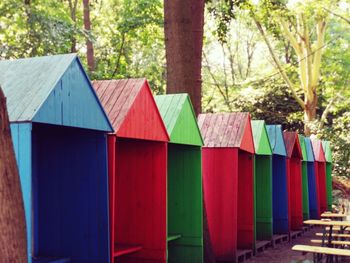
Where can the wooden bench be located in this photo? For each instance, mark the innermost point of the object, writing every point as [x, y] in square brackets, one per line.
[334, 242]
[322, 250]
[335, 235]
[319, 252]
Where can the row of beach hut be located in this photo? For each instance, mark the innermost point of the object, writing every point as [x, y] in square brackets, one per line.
[111, 173]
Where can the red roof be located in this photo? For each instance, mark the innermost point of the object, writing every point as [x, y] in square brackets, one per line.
[318, 150]
[292, 143]
[131, 109]
[227, 130]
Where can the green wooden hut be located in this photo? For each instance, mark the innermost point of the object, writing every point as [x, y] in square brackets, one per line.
[185, 228]
[306, 210]
[263, 184]
[329, 163]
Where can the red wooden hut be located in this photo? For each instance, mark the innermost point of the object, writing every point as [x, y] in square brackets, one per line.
[137, 171]
[294, 178]
[228, 182]
[320, 172]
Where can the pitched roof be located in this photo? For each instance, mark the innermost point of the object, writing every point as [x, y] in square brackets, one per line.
[53, 90]
[318, 150]
[292, 144]
[131, 109]
[309, 150]
[327, 151]
[179, 118]
[276, 139]
[261, 139]
[227, 130]
[303, 147]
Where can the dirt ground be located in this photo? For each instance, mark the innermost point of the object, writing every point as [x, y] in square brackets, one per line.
[284, 253]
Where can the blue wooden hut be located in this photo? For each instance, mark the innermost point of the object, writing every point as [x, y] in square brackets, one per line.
[279, 180]
[59, 132]
[312, 180]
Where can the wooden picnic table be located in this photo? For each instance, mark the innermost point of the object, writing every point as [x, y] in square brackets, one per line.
[328, 224]
[334, 216]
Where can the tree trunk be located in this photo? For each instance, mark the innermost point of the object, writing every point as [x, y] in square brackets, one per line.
[183, 25]
[309, 114]
[73, 16]
[89, 45]
[13, 243]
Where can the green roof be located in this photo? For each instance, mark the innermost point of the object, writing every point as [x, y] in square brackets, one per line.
[303, 147]
[261, 139]
[327, 151]
[179, 118]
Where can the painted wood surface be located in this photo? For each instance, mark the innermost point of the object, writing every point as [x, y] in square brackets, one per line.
[140, 199]
[245, 217]
[52, 90]
[227, 130]
[329, 161]
[220, 188]
[185, 203]
[294, 171]
[179, 118]
[306, 209]
[279, 180]
[312, 180]
[263, 182]
[70, 194]
[184, 179]
[320, 171]
[22, 143]
[131, 109]
[280, 195]
[276, 139]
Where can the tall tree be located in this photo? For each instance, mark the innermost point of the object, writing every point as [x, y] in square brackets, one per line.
[73, 15]
[183, 25]
[13, 243]
[89, 45]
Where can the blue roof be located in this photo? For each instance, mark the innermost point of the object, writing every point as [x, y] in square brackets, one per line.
[52, 90]
[309, 150]
[276, 139]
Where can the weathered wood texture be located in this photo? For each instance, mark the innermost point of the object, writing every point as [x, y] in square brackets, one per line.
[131, 109]
[13, 245]
[279, 180]
[294, 171]
[53, 90]
[227, 130]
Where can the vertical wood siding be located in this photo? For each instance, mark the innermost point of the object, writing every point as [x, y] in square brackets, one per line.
[220, 188]
[22, 143]
[70, 201]
[140, 199]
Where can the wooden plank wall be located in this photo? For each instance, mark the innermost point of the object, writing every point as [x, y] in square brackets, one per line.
[263, 197]
[220, 188]
[280, 195]
[313, 193]
[185, 214]
[245, 199]
[22, 143]
[296, 194]
[140, 199]
[70, 194]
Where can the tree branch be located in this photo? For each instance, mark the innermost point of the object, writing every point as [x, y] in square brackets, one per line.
[291, 38]
[278, 64]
